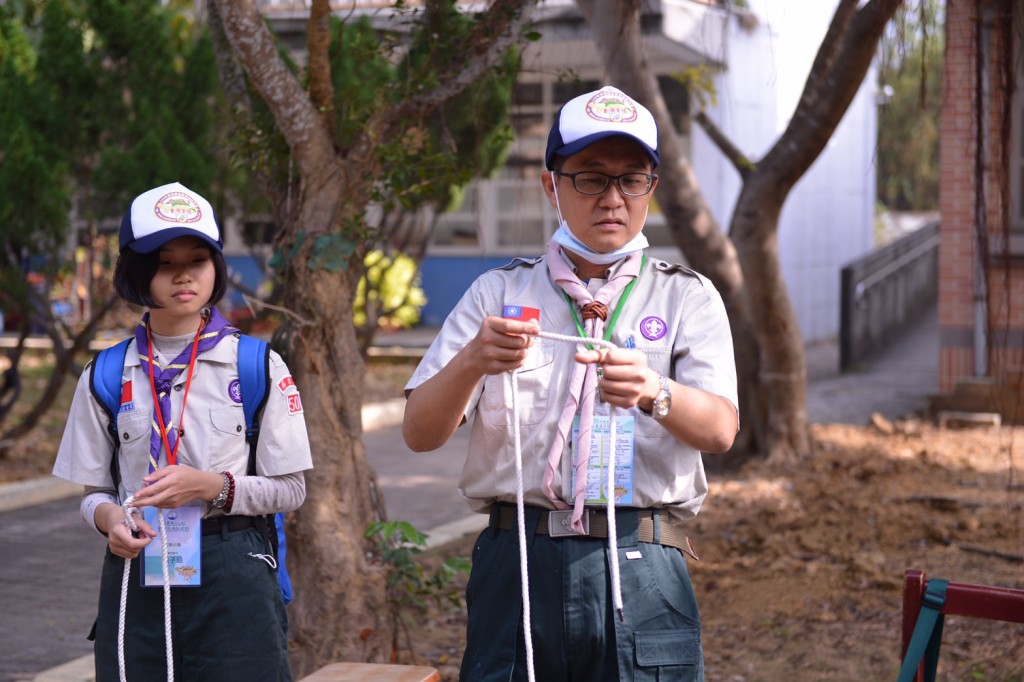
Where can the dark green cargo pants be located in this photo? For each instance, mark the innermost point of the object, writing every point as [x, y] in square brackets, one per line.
[576, 636]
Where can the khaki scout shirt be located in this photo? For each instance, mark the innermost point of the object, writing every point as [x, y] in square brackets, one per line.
[213, 422]
[675, 316]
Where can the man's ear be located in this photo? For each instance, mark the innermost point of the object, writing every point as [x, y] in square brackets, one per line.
[548, 183]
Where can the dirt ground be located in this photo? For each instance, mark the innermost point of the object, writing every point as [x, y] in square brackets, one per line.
[801, 565]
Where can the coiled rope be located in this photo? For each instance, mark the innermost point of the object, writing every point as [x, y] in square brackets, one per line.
[129, 510]
[613, 548]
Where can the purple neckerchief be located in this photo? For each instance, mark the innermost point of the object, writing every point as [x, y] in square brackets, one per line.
[216, 329]
[583, 382]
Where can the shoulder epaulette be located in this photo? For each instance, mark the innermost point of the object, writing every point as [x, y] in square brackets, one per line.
[521, 262]
[673, 268]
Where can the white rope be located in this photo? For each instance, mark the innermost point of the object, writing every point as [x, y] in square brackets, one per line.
[130, 522]
[521, 511]
[524, 578]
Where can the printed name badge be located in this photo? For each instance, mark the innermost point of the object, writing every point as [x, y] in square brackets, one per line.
[597, 467]
[184, 547]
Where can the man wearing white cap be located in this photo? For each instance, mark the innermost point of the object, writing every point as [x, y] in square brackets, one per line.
[600, 607]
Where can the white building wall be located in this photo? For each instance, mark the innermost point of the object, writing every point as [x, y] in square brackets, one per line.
[828, 218]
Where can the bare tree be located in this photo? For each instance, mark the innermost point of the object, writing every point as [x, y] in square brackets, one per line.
[745, 264]
[320, 208]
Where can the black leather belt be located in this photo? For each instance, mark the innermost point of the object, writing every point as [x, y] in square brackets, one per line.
[228, 524]
[556, 524]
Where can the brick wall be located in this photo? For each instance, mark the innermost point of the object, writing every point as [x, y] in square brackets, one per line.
[958, 202]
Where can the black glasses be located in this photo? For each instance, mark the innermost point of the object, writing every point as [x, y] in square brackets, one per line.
[629, 184]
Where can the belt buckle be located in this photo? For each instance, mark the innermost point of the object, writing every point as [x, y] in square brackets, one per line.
[560, 524]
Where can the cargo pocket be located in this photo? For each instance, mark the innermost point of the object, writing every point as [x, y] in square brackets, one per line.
[668, 655]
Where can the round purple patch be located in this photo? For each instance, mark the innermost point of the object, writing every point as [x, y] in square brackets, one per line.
[653, 328]
[235, 391]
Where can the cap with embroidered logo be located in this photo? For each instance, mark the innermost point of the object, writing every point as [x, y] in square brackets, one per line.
[597, 115]
[165, 213]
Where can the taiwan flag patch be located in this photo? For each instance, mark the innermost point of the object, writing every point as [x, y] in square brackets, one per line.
[518, 312]
[127, 404]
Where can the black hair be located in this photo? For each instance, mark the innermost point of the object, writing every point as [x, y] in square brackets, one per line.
[134, 273]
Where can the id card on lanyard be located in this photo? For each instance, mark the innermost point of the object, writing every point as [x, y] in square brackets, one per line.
[597, 464]
[183, 527]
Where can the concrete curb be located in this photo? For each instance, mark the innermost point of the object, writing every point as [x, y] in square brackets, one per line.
[35, 491]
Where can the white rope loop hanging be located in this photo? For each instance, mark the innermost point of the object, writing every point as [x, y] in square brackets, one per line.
[129, 511]
[613, 549]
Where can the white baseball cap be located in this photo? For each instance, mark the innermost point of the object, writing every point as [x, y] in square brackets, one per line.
[165, 213]
[593, 116]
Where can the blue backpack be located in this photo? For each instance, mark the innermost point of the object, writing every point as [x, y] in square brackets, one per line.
[253, 370]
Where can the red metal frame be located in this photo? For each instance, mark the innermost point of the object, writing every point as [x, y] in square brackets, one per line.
[962, 599]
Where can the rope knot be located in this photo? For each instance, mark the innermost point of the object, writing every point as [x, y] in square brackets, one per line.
[163, 385]
[595, 309]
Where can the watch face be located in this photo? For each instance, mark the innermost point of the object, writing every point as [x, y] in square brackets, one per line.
[662, 405]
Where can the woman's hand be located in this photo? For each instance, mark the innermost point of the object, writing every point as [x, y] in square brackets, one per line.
[175, 486]
[110, 520]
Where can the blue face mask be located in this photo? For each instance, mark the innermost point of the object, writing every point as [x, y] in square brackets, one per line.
[564, 237]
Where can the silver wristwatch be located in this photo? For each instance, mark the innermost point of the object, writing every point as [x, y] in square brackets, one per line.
[662, 402]
[222, 499]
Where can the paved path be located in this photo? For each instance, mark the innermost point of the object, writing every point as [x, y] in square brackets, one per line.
[50, 563]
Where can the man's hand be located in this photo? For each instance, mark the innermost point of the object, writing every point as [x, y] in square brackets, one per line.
[626, 380]
[501, 345]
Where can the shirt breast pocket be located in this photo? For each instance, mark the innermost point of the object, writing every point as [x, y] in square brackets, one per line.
[534, 387]
[227, 436]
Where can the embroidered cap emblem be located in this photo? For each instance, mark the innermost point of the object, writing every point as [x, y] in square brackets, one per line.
[653, 328]
[178, 207]
[608, 105]
[235, 391]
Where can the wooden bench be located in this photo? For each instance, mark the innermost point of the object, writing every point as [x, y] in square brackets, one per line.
[962, 599]
[373, 672]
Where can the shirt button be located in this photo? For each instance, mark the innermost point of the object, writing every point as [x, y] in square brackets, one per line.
[125, 436]
[238, 429]
[178, 387]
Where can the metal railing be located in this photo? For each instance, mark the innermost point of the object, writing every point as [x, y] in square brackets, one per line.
[885, 290]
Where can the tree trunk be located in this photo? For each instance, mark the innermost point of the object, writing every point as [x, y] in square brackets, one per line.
[340, 610]
[779, 373]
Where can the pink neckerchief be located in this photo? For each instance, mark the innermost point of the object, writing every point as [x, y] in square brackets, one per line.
[583, 383]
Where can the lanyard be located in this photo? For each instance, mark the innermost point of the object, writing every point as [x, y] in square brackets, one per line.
[172, 455]
[615, 315]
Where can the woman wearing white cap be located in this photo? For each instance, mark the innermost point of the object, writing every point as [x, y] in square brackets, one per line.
[179, 446]
[608, 597]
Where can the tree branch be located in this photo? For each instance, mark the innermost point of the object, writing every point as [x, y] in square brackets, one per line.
[499, 30]
[318, 42]
[237, 92]
[834, 81]
[310, 141]
[744, 166]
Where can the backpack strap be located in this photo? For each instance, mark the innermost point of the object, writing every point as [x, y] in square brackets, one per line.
[927, 637]
[105, 384]
[254, 383]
